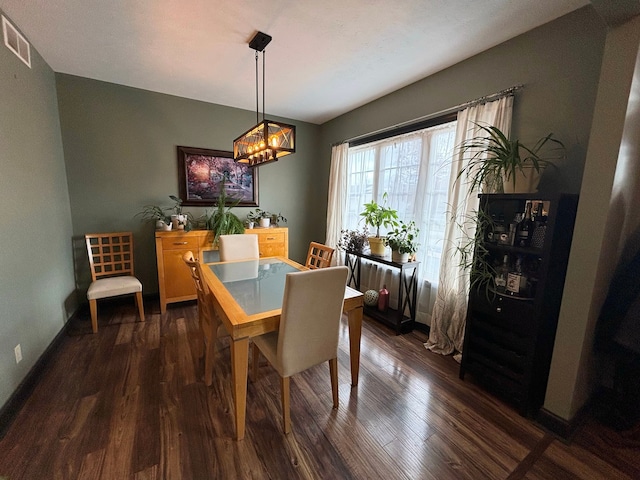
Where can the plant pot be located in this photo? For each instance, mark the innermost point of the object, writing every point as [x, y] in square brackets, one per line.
[399, 257]
[250, 225]
[264, 222]
[161, 225]
[178, 221]
[526, 181]
[377, 246]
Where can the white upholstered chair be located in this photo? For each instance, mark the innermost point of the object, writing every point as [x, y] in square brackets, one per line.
[111, 262]
[238, 247]
[308, 332]
[319, 256]
[211, 326]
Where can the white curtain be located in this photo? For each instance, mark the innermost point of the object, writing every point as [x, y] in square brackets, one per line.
[450, 309]
[336, 202]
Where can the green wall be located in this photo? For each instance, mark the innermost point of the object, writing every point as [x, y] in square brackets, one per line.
[36, 273]
[120, 152]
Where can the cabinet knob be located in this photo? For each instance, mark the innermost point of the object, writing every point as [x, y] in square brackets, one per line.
[179, 243]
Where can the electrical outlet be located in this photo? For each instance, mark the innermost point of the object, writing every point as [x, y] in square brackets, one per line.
[18, 352]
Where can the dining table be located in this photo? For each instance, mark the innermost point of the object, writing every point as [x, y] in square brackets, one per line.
[247, 296]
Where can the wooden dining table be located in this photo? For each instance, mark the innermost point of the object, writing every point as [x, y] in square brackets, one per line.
[248, 299]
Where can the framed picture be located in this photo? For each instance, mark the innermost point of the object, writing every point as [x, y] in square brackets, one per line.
[201, 171]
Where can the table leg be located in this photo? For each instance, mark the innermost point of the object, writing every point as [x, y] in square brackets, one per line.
[355, 332]
[239, 370]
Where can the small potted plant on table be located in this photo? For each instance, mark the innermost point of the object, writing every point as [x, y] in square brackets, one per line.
[379, 215]
[403, 241]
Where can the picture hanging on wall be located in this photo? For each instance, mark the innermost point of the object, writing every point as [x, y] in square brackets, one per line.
[201, 171]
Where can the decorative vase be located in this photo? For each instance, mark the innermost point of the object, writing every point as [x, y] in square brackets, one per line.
[526, 181]
[162, 225]
[178, 221]
[383, 299]
[399, 257]
[377, 246]
[264, 222]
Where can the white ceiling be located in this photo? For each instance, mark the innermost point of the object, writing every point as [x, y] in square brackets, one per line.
[326, 57]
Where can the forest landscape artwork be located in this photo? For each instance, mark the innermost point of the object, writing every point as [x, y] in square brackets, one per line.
[202, 172]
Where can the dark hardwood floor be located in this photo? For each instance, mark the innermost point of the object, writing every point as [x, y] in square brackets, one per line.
[129, 403]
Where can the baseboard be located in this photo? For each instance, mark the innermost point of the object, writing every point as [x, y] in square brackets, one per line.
[421, 327]
[559, 426]
[12, 407]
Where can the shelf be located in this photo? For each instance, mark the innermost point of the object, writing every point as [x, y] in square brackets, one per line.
[509, 339]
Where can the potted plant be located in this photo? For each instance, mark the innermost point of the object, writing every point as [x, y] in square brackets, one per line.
[378, 215]
[261, 217]
[403, 241]
[353, 240]
[498, 164]
[156, 214]
[178, 219]
[222, 221]
[265, 218]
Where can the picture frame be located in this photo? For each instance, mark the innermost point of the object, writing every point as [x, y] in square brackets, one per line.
[200, 171]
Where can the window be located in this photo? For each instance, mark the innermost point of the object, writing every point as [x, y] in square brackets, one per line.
[413, 169]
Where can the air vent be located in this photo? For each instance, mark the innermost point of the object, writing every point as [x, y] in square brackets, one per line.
[16, 42]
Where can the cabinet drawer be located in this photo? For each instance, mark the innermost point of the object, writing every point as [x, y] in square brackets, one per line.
[182, 243]
[506, 312]
[267, 238]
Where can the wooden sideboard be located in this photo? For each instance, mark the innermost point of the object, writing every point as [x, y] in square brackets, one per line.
[174, 280]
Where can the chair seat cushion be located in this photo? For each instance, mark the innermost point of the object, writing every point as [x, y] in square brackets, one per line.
[113, 286]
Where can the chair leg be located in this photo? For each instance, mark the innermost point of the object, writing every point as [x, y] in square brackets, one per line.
[255, 358]
[286, 415]
[333, 371]
[93, 306]
[140, 305]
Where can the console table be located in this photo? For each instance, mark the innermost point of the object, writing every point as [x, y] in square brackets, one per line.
[407, 290]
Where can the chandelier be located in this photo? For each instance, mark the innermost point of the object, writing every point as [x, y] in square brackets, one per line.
[268, 140]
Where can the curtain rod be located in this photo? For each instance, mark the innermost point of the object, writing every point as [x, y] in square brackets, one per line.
[485, 99]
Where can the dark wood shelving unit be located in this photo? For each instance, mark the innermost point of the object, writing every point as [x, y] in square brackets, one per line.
[407, 290]
[509, 339]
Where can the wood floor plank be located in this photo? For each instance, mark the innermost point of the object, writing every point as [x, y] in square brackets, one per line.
[130, 402]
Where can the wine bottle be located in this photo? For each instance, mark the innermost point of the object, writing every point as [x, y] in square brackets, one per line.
[516, 279]
[501, 275]
[525, 228]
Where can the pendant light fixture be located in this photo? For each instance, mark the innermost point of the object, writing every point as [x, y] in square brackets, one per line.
[268, 140]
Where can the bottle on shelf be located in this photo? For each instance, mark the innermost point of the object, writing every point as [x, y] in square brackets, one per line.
[525, 228]
[516, 279]
[383, 299]
[502, 273]
[537, 237]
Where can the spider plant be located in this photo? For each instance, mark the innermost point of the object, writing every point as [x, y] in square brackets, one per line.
[492, 158]
[221, 220]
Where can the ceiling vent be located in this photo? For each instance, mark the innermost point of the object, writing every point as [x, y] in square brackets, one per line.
[16, 42]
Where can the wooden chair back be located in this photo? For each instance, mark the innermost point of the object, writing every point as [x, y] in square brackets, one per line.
[319, 256]
[110, 254]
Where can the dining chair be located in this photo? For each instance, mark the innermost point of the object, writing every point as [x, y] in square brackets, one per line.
[210, 325]
[238, 247]
[308, 331]
[319, 256]
[112, 274]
